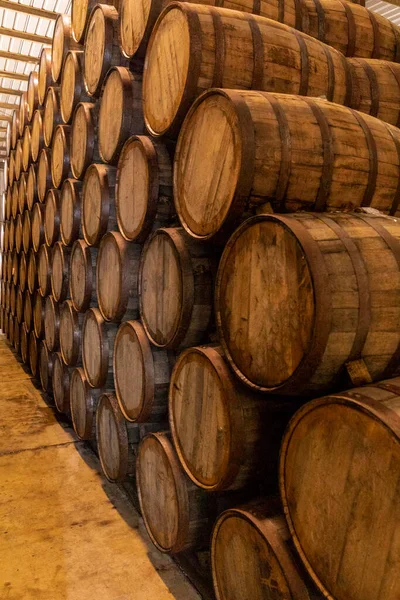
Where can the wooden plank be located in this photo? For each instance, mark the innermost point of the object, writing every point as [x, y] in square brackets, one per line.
[28, 10]
[17, 56]
[25, 35]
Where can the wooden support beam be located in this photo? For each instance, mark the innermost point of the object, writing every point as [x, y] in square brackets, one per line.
[16, 56]
[16, 76]
[24, 35]
[28, 10]
[7, 118]
[9, 106]
[4, 90]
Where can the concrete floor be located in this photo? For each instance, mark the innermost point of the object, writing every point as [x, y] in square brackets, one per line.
[65, 532]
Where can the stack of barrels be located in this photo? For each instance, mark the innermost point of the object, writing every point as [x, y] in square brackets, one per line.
[201, 241]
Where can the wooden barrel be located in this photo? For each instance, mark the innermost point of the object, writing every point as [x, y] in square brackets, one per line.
[8, 294]
[98, 203]
[37, 137]
[52, 217]
[60, 272]
[38, 214]
[101, 47]
[295, 130]
[44, 270]
[28, 310]
[32, 94]
[5, 238]
[165, 104]
[116, 439]
[46, 362]
[172, 261]
[63, 42]
[72, 88]
[8, 202]
[143, 193]
[83, 276]
[26, 148]
[32, 278]
[9, 266]
[177, 514]
[83, 404]
[97, 349]
[141, 374]
[84, 149]
[120, 113]
[26, 231]
[45, 78]
[15, 199]
[80, 12]
[38, 314]
[363, 424]
[23, 114]
[24, 343]
[256, 537]
[17, 336]
[22, 193]
[70, 334]
[117, 272]
[70, 211]
[18, 233]
[52, 114]
[298, 337]
[13, 299]
[33, 351]
[60, 155]
[23, 271]
[44, 178]
[14, 128]
[15, 267]
[31, 186]
[18, 159]
[61, 384]
[19, 306]
[222, 431]
[51, 323]
[11, 168]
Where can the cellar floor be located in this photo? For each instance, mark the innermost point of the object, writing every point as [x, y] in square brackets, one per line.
[65, 532]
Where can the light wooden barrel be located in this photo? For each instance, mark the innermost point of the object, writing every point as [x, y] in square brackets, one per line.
[26, 231]
[23, 114]
[26, 148]
[72, 88]
[8, 201]
[61, 384]
[28, 310]
[23, 271]
[32, 94]
[38, 213]
[97, 349]
[177, 514]
[45, 78]
[356, 534]
[101, 47]
[9, 266]
[326, 307]
[63, 42]
[46, 362]
[31, 186]
[80, 12]
[18, 233]
[84, 149]
[5, 238]
[222, 431]
[32, 278]
[71, 323]
[184, 29]
[44, 270]
[116, 439]
[43, 177]
[11, 168]
[24, 343]
[256, 537]
[70, 211]
[33, 351]
[287, 133]
[120, 113]
[52, 217]
[37, 137]
[38, 314]
[60, 154]
[51, 323]
[17, 336]
[83, 276]
[172, 261]
[98, 203]
[19, 306]
[379, 85]
[51, 114]
[83, 404]
[18, 159]
[15, 199]
[143, 194]
[15, 267]
[141, 374]
[14, 128]
[117, 270]
[8, 294]
[60, 272]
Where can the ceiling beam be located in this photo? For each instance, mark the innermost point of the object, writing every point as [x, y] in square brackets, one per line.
[8, 106]
[4, 90]
[7, 118]
[24, 35]
[16, 56]
[16, 76]
[28, 10]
